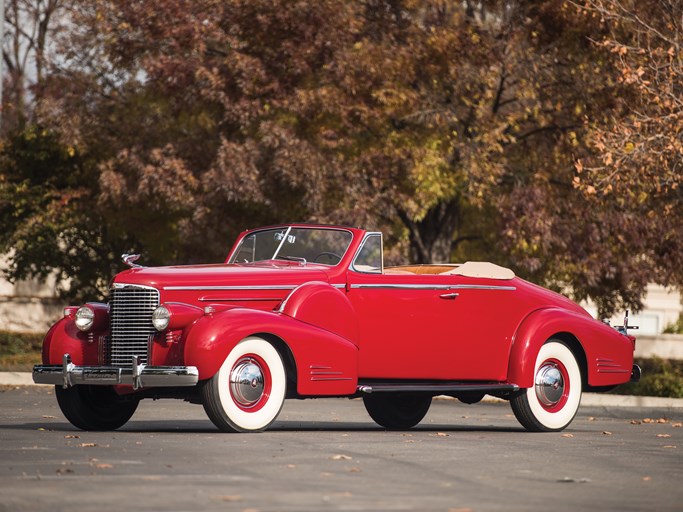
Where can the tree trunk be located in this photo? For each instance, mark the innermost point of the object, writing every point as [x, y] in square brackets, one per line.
[432, 238]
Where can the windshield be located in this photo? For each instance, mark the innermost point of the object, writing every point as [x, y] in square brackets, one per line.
[304, 245]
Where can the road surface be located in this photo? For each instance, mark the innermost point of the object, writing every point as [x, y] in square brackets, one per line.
[327, 454]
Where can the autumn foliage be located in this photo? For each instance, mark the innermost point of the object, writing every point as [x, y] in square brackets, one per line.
[541, 135]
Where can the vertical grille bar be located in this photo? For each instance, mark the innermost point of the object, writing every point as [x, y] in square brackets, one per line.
[130, 312]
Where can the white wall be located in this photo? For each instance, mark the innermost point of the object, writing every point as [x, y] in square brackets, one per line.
[661, 308]
[28, 306]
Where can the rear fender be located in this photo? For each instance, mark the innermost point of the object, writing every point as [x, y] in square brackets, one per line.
[326, 363]
[608, 354]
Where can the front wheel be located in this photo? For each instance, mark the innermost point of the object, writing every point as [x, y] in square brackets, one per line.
[397, 411]
[248, 391]
[95, 407]
[553, 401]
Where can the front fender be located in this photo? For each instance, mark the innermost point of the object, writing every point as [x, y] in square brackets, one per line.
[325, 363]
[64, 338]
[608, 354]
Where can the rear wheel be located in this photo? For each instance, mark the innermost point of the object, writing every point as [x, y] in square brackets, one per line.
[552, 402]
[95, 407]
[248, 391]
[397, 411]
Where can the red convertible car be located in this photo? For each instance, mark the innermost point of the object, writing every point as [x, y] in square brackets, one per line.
[302, 311]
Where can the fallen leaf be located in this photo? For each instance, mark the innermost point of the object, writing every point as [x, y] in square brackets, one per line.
[663, 435]
[648, 420]
[64, 471]
[607, 433]
[636, 422]
[442, 434]
[235, 497]
[340, 456]
[569, 480]
[670, 446]
[50, 417]
[87, 445]
[103, 466]
[647, 478]
[677, 425]
[567, 435]
[662, 420]
[291, 466]
[72, 437]
[354, 470]
[591, 418]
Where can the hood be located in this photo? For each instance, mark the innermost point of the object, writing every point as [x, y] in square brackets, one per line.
[221, 275]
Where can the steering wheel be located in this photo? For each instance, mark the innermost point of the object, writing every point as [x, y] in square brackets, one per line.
[329, 255]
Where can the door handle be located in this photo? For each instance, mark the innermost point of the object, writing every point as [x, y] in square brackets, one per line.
[449, 296]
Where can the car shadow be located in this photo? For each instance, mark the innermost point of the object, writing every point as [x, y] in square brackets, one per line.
[205, 427]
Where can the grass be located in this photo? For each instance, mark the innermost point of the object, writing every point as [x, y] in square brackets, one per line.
[19, 351]
[661, 377]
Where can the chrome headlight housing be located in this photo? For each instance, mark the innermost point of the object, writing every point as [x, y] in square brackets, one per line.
[161, 317]
[84, 318]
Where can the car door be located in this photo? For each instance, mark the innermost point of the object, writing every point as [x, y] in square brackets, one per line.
[431, 326]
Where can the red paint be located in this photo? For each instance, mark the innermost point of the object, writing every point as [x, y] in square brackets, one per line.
[340, 325]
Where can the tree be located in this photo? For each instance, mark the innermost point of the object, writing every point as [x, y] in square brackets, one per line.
[462, 129]
[47, 221]
[638, 154]
[31, 26]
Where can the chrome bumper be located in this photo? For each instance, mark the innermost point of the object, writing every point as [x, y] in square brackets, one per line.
[138, 375]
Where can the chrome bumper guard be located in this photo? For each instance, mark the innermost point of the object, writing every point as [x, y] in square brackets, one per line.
[138, 375]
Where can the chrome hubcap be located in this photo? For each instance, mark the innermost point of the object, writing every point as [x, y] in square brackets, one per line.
[246, 382]
[549, 384]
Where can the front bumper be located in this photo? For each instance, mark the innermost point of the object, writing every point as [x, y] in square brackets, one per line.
[137, 375]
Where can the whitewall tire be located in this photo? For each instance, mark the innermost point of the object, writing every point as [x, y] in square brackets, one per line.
[553, 401]
[248, 391]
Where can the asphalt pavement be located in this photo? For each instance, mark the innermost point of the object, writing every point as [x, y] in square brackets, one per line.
[327, 454]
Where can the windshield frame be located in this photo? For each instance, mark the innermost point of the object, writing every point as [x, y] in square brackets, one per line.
[232, 259]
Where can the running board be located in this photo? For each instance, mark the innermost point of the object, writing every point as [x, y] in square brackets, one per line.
[440, 388]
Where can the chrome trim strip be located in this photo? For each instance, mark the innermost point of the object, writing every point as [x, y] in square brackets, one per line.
[125, 285]
[284, 302]
[435, 286]
[436, 388]
[226, 288]
[239, 299]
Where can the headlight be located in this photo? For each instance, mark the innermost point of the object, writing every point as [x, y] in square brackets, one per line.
[160, 318]
[85, 317]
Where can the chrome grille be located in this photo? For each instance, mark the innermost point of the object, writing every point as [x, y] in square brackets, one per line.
[130, 313]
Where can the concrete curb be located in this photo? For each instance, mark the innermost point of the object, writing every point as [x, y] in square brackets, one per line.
[587, 400]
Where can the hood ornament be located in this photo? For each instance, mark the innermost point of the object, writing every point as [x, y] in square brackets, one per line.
[130, 259]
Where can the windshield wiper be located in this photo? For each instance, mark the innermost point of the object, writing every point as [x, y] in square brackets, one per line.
[292, 258]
